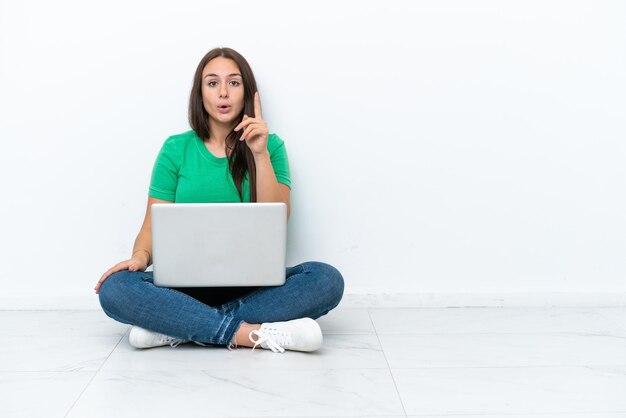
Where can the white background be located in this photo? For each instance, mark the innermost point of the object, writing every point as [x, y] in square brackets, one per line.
[442, 147]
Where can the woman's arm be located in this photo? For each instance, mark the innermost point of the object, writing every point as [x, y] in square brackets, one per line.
[143, 242]
[143, 248]
[268, 189]
[256, 136]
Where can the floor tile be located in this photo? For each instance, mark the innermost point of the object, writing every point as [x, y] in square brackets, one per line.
[59, 324]
[40, 394]
[523, 390]
[240, 393]
[346, 321]
[515, 362]
[55, 354]
[492, 350]
[492, 320]
[617, 315]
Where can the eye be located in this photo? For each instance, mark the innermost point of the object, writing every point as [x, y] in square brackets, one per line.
[211, 83]
[236, 83]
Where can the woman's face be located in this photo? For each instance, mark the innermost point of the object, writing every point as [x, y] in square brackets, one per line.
[222, 85]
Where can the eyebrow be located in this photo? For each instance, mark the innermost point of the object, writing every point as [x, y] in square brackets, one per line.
[229, 75]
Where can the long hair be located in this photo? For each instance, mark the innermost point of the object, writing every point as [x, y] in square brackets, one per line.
[241, 159]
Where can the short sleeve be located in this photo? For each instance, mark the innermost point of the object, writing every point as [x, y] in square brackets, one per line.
[279, 159]
[165, 173]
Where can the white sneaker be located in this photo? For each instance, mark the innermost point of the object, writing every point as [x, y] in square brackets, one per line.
[302, 334]
[143, 338]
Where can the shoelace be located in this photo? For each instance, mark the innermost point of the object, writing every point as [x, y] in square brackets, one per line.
[166, 339]
[273, 337]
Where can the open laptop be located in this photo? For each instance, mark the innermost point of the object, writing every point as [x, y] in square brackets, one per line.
[219, 244]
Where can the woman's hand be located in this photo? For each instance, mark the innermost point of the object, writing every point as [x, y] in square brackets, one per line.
[255, 130]
[136, 263]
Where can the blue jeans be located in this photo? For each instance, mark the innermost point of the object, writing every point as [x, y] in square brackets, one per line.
[311, 290]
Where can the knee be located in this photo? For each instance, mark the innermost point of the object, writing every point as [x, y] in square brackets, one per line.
[330, 281]
[112, 291]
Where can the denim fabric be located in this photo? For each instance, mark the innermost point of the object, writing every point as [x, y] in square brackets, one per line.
[311, 290]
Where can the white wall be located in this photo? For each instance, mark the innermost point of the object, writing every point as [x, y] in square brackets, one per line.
[467, 147]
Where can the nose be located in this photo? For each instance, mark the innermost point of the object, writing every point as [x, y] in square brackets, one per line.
[223, 91]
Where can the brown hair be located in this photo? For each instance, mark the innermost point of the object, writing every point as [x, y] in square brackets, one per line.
[241, 159]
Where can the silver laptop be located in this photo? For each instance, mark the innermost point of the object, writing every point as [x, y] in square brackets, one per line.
[219, 244]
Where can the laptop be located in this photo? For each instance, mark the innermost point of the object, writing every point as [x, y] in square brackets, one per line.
[219, 244]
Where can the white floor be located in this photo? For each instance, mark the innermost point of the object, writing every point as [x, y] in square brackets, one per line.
[470, 362]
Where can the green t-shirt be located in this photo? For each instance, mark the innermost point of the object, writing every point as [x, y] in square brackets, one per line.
[186, 172]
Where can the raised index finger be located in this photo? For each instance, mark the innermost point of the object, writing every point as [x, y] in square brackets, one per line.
[257, 106]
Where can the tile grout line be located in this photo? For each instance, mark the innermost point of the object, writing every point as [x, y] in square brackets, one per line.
[95, 374]
[393, 379]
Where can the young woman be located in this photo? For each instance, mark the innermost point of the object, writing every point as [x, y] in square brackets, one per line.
[228, 156]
